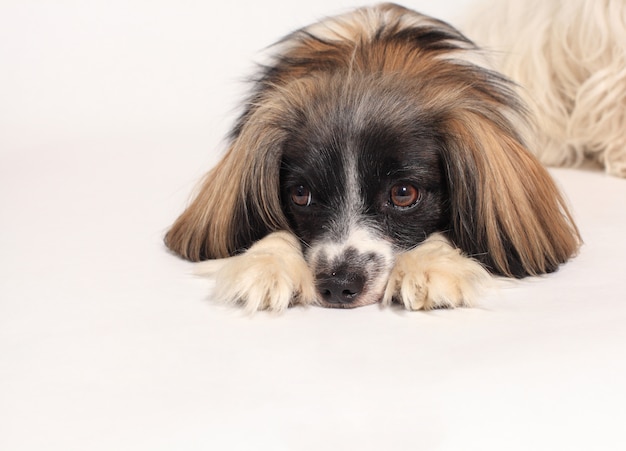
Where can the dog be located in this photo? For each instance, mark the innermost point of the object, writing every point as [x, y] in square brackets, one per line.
[378, 159]
[569, 58]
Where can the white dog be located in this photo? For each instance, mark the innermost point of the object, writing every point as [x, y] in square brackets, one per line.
[569, 58]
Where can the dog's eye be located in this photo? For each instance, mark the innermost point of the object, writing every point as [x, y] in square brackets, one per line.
[404, 195]
[301, 196]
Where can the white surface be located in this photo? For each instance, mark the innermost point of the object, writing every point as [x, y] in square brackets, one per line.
[109, 112]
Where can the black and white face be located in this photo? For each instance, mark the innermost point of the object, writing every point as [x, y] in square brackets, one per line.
[356, 196]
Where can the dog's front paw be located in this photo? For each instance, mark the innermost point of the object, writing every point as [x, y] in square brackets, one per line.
[435, 275]
[271, 275]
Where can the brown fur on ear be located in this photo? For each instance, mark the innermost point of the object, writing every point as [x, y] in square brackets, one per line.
[506, 210]
[238, 201]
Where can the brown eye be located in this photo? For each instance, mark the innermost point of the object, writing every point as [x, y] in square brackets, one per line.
[301, 196]
[404, 195]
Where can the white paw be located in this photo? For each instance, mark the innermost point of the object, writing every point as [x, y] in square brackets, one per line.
[435, 275]
[271, 275]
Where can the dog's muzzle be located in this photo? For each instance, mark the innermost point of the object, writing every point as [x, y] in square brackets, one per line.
[340, 289]
[350, 277]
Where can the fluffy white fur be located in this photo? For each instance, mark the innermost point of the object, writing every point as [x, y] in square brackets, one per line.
[435, 275]
[271, 275]
[569, 57]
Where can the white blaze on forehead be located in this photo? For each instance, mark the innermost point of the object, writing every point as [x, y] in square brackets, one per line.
[352, 190]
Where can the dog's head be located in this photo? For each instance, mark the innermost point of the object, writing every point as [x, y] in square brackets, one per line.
[365, 135]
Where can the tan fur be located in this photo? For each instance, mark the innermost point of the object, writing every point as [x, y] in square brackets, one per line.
[518, 200]
[271, 275]
[247, 174]
[435, 275]
[569, 58]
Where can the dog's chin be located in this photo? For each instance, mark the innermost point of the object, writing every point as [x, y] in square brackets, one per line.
[363, 300]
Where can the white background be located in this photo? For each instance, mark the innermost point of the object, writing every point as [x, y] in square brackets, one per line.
[110, 111]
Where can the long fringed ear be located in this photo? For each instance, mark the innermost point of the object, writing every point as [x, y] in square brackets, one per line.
[506, 210]
[238, 201]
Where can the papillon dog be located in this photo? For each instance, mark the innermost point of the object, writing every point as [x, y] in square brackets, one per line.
[379, 158]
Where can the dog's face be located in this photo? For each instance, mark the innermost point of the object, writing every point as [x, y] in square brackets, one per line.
[356, 192]
[365, 134]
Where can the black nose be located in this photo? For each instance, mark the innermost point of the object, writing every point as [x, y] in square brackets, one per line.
[340, 289]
